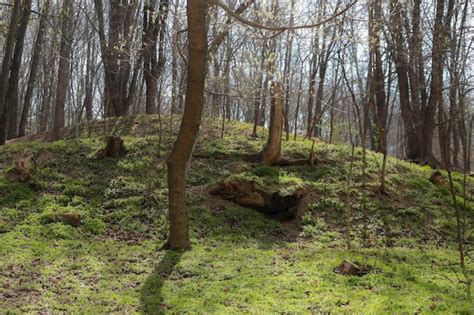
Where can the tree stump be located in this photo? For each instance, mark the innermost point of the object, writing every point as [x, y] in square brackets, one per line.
[348, 268]
[22, 170]
[114, 148]
[438, 179]
[73, 219]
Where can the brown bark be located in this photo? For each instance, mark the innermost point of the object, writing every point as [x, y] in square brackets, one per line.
[114, 148]
[272, 150]
[182, 149]
[116, 59]
[435, 87]
[288, 76]
[154, 28]
[7, 61]
[10, 113]
[90, 73]
[311, 92]
[35, 60]
[63, 69]
[47, 88]
[377, 78]
[402, 69]
[258, 92]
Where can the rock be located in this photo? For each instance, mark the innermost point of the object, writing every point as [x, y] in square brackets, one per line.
[348, 268]
[247, 193]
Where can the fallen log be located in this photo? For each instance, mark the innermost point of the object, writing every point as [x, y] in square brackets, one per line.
[248, 193]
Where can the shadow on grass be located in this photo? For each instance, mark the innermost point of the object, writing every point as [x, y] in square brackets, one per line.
[151, 298]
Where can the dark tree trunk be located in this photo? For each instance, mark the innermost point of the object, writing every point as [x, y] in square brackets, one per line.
[154, 28]
[119, 87]
[10, 113]
[435, 87]
[35, 60]
[63, 69]
[7, 62]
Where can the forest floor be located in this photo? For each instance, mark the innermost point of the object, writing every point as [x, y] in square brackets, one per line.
[241, 261]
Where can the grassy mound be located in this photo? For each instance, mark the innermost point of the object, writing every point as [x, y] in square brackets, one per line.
[241, 261]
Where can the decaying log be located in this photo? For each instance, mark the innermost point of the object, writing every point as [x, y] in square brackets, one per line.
[248, 193]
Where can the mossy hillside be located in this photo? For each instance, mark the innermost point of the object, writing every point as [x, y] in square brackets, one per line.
[241, 261]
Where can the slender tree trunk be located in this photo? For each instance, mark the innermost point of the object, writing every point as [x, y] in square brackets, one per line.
[298, 102]
[35, 60]
[7, 62]
[10, 114]
[90, 73]
[182, 149]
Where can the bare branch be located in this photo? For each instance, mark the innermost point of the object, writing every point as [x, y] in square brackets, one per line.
[253, 24]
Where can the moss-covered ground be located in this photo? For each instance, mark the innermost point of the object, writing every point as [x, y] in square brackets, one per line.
[241, 261]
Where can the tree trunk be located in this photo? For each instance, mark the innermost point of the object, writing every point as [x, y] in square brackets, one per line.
[182, 149]
[90, 73]
[272, 151]
[10, 112]
[154, 28]
[7, 61]
[63, 69]
[435, 87]
[35, 60]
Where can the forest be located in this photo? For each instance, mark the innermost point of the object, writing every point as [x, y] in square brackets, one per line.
[236, 156]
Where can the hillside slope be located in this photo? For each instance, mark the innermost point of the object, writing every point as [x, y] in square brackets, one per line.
[110, 260]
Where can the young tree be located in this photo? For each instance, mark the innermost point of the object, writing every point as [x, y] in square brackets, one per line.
[180, 155]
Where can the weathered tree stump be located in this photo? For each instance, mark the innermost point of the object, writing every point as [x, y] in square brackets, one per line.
[73, 219]
[114, 148]
[348, 268]
[22, 170]
[247, 193]
[438, 179]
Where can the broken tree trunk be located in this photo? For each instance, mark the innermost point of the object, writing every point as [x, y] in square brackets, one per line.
[272, 151]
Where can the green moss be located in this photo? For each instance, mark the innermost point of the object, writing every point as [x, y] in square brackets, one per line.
[94, 225]
[241, 261]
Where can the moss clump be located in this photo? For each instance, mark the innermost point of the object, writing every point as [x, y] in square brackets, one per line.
[94, 225]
